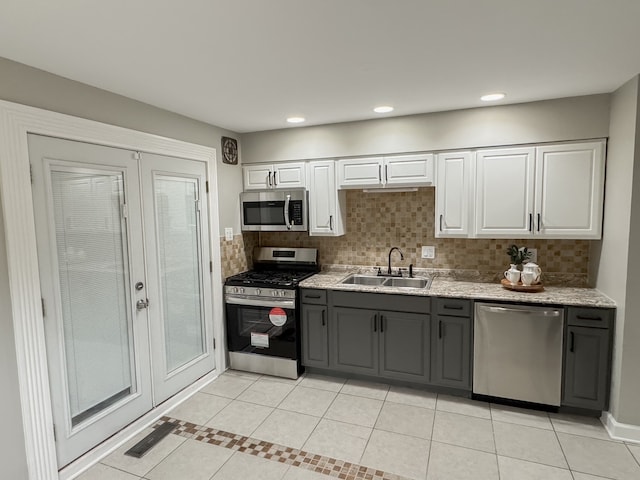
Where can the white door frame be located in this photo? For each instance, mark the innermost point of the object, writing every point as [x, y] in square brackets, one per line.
[16, 121]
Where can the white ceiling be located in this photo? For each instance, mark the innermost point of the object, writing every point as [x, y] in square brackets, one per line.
[246, 65]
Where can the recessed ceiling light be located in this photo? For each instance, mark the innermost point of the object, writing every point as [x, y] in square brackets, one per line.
[295, 119]
[492, 97]
[383, 109]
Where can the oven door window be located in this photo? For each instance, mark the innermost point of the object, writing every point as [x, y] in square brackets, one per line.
[263, 213]
[264, 330]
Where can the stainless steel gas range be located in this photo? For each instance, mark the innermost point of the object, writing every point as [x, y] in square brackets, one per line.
[262, 311]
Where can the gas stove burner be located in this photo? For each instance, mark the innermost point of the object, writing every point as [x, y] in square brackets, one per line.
[272, 278]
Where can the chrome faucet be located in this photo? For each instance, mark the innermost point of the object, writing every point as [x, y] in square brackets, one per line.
[401, 258]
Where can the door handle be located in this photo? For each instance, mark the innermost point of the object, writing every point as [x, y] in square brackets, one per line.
[572, 343]
[142, 304]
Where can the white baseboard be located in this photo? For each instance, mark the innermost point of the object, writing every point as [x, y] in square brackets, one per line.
[620, 431]
[105, 448]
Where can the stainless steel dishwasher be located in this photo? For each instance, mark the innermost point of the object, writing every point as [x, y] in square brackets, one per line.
[518, 352]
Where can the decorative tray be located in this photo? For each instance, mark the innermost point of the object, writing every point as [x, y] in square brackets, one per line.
[538, 287]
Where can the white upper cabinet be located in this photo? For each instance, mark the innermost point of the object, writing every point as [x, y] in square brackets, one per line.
[390, 171]
[453, 194]
[551, 191]
[569, 190]
[360, 172]
[326, 203]
[408, 170]
[279, 175]
[504, 192]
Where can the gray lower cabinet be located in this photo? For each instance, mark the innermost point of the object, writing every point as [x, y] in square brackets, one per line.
[587, 358]
[354, 340]
[315, 343]
[376, 342]
[451, 344]
[404, 346]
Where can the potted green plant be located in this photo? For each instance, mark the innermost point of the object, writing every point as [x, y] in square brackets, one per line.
[518, 255]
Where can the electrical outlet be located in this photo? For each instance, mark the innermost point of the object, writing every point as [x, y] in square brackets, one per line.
[428, 252]
[228, 234]
[534, 255]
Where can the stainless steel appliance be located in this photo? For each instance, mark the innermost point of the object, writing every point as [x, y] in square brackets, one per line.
[518, 352]
[274, 210]
[262, 311]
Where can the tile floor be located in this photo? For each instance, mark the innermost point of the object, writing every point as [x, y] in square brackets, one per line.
[397, 433]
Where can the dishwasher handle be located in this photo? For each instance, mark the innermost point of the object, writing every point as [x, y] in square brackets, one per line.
[546, 313]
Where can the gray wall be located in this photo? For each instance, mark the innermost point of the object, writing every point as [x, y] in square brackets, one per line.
[29, 86]
[547, 121]
[615, 259]
[12, 452]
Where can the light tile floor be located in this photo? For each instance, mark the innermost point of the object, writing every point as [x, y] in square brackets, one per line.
[406, 433]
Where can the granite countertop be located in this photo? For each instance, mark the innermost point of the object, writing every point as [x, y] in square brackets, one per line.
[443, 287]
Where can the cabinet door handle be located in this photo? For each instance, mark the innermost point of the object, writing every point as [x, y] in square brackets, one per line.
[381, 323]
[441, 215]
[538, 222]
[386, 173]
[440, 329]
[531, 222]
[269, 180]
[375, 323]
[275, 182]
[323, 320]
[331, 222]
[572, 342]
[380, 172]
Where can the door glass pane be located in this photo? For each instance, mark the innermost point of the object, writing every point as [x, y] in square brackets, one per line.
[179, 262]
[91, 244]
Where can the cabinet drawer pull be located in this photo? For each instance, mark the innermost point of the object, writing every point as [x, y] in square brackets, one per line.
[587, 317]
[312, 296]
[572, 342]
[452, 307]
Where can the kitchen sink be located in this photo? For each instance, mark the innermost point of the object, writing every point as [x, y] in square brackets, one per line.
[377, 281]
[415, 282]
[369, 280]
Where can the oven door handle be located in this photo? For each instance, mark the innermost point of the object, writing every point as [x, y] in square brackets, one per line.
[254, 302]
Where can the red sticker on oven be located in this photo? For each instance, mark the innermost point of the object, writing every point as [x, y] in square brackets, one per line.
[278, 316]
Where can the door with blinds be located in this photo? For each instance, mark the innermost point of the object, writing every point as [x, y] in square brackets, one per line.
[123, 253]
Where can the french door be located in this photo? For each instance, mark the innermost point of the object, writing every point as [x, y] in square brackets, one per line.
[123, 254]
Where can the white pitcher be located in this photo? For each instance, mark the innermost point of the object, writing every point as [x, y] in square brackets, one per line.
[512, 275]
[534, 269]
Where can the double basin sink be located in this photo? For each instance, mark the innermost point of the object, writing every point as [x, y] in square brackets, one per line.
[380, 281]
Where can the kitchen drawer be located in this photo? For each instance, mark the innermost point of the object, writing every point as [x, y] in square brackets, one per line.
[454, 307]
[310, 295]
[590, 317]
[382, 301]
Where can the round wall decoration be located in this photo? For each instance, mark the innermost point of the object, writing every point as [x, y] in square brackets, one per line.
[230, 150]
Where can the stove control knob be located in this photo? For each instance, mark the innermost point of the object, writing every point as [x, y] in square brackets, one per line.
[283, 293]
[258, 291]
[274, 293]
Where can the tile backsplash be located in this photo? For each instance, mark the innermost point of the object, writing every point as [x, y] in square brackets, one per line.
[237, 254]
[377, 221]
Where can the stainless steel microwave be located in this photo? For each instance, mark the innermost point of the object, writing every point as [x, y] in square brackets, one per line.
[274, 210]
